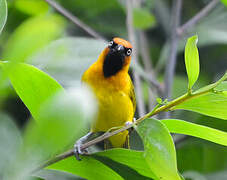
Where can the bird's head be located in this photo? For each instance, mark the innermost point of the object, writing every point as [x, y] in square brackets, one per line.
[117, 57]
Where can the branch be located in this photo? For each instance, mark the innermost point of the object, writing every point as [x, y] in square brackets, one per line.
[54, 160]
[146, 58]
[197, 17]
[144, 51]
[132, 39]
[74, 19]
[149, 74]
[171, 62]
[165, 107]
[157, 110]
[152, 80]
[108, 134]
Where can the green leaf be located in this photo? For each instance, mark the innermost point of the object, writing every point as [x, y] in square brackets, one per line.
[180, 84]
[56, 175]
[38, 6]
[3, 14]
[61, 121]
[213, 104]
[128, 164]
[192, 61]
[32, 85]
[159, 148]
[143, 19]
[31, 35]
[222, 86]
[224, 2]
[61, 115]
[125, 160]
[88, 168]
[191, 129]
[159, 100]
[214, 86]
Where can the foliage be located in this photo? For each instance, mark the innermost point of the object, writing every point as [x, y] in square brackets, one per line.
[39, 32]
[143, 19]
[183, 127]
[159, 150]
[25, 79]
[192, 61]
[3, 14]
[60, 109]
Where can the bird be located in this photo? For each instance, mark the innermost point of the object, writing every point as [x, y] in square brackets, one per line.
[109, 80]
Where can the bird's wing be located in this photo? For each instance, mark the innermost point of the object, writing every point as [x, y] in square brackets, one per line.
[132, 95]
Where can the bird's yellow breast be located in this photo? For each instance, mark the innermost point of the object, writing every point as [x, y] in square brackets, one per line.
[115, 107]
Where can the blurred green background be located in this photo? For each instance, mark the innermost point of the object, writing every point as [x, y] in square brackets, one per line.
[35, 33]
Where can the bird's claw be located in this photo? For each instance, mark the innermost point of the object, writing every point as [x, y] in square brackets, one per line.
[78, 151]
[78, 147]
[129, 122]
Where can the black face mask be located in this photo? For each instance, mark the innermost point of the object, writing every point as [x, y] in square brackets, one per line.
[114, 61]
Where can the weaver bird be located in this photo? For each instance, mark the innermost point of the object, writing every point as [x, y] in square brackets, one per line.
[109, 80]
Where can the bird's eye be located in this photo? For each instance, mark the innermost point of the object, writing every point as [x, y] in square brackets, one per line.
[129, 52]
[110, 43]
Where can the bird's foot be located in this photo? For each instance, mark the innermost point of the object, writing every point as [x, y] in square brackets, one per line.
[128, 123]
[131, 123]
[78, 146]
[78, 151]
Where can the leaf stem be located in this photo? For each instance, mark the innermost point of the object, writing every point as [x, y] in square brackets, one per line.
[109, 134]
[156, 110]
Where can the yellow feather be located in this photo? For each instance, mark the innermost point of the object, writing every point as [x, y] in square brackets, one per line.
[115, 97]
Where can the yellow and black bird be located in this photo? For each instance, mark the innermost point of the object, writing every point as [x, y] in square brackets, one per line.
[109, 79]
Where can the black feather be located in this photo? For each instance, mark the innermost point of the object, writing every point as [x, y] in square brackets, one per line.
[113, 63]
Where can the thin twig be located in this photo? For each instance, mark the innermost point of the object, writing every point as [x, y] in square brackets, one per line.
[74, 19]
[54, 160]
[128, 126]
[152, 81]
[144, 51]
[171, 61]
[150, 75]
[159, 87]
[132, 39]
[162, 14]
[181, 30]
[108, 134]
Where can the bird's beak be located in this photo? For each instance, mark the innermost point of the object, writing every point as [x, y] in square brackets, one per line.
[119, 49]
